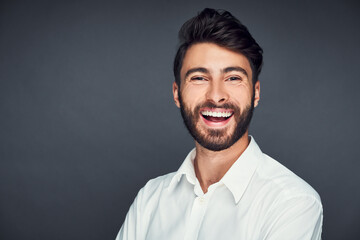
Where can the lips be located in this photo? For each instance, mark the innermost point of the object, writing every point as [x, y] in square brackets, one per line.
[216, 117]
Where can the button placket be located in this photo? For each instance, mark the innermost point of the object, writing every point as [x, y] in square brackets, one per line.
[196, 218]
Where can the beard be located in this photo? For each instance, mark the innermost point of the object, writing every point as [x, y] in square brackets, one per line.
[217, 139]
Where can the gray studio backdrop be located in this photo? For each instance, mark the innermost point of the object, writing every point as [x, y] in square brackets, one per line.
[87, 116]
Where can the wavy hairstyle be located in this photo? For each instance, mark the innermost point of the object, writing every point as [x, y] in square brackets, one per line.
[222, 28]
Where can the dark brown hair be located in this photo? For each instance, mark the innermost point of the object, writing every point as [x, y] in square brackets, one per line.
[223, 29]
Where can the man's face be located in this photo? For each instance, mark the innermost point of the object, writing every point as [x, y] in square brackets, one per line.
[216, 95]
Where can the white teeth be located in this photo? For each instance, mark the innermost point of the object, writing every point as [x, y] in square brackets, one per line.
[216, 114]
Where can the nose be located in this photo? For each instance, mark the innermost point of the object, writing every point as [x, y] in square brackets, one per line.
[217, 92]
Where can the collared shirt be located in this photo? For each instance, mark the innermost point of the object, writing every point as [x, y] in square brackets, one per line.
[257, 199]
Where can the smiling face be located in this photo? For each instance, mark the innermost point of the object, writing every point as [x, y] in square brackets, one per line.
[216, 95]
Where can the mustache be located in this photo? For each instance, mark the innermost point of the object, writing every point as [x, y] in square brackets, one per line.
[213, 105]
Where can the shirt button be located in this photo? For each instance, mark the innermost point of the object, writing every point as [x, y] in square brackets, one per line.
[201, 200]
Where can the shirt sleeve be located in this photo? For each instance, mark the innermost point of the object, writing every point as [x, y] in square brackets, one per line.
[130, 230]
[298, 218]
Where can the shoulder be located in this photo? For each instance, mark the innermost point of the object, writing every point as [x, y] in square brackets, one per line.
[283, 182]
[154, 187]
[289, 202]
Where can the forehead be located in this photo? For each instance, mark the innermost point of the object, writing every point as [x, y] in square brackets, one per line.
[214, 58]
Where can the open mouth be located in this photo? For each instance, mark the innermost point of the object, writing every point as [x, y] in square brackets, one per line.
[216, 117]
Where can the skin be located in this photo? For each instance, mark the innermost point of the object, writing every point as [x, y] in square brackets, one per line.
[213, 73]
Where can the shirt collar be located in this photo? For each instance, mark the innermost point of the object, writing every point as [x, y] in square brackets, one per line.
[187, 169]
[236, 179]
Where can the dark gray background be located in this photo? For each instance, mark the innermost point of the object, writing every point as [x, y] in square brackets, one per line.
[87, 116]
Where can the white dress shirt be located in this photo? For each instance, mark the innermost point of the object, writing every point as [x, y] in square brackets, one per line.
[258, 198]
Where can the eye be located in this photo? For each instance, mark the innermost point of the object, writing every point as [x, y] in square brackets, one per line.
[198, 78]
[234, 78]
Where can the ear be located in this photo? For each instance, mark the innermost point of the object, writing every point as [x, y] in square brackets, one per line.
[176, 94]
[257, 93]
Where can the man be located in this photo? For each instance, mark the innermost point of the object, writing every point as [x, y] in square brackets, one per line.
[226, 188]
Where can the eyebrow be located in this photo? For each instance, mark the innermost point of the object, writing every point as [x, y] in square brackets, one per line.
[198, 69]
[238, 69]
[225, 70]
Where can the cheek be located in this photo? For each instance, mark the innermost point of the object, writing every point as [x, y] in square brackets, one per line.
[241, 96]
[192, 97]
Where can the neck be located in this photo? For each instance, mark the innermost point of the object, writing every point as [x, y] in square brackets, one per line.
[211, 166]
